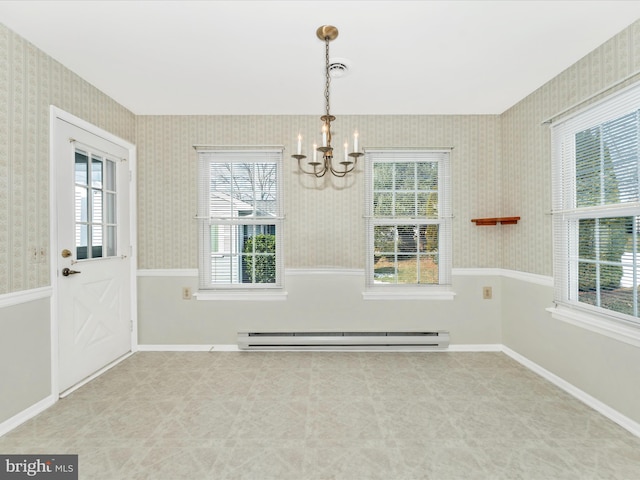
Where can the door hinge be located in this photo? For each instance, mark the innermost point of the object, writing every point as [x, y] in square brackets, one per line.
[131, 325]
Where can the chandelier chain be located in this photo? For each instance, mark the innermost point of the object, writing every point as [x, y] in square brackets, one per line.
[328, 77]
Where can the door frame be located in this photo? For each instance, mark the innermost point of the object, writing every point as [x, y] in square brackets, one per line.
[55, 115]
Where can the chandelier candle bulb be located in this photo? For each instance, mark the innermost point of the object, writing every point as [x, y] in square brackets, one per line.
[299, 144]
[324, 135]
[315, 152]
[346, 151]
[355, 141]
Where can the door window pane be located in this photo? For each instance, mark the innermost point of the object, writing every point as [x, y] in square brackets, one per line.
[82, 242]
[96, 172]
[96, 241]
[81, 168]
[110, 208]
[110, 175]
[111, 242]
[81, 204]
[96, 206]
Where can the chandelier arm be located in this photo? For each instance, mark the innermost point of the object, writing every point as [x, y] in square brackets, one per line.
[321, 173]
[344, 171]
[339, 174]
[317, 173]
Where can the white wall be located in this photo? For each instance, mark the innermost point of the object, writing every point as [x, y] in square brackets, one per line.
[604, 368]
[25, 358]
[316, 300]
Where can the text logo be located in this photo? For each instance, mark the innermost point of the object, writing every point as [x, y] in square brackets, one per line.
[50, 467]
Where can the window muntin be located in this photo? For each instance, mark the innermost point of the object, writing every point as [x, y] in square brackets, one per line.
[240, 219]
[597, 208]
[408, 219]
[406, 253]
[606, 263]
[95, 206]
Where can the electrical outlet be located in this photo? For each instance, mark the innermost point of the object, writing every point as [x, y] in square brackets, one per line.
[487, 293]
[186, 293]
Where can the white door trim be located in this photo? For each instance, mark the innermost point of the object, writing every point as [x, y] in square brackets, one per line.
[55, 114]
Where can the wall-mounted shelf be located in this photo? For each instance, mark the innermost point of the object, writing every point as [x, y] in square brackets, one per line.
[496, 220]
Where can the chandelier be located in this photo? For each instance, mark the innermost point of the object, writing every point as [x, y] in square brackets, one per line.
[320, 166]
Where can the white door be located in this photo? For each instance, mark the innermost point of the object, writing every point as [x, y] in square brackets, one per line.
[93, 283]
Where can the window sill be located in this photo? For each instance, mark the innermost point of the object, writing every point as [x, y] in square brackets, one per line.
[414, 294]
[598, 324]
[243, 296]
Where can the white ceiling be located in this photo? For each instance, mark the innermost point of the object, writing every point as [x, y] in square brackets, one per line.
[263, 57]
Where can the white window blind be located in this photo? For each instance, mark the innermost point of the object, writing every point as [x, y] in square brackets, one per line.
[408, 219]
[240, 218]
[596, 206]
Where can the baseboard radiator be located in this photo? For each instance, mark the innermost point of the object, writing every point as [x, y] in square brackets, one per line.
[343, 340]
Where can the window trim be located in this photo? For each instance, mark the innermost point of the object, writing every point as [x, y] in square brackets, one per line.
[566, 215]
[240, 291]
[442, 290]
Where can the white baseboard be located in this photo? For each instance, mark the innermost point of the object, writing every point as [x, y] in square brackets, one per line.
[189, 348]
[485, 347]
[225, 348]
[27, 414]
[612, 414]
[234, 348]
[174, 348]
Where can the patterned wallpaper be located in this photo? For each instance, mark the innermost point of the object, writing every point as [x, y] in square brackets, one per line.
[30, 82]
[526, 161]
[500, 166]
[324, 224]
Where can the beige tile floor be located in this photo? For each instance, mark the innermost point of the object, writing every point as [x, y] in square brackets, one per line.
[321, 415]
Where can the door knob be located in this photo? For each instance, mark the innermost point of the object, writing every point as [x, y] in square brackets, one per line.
[66, 253]
[67, 271]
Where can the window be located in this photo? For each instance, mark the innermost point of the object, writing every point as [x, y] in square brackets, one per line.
[240, 219]
[95, 205]
[408, 221]
[596, 205]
